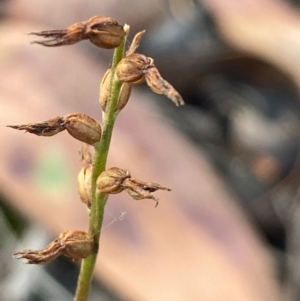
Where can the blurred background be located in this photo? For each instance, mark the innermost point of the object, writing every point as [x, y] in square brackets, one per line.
[229, 230]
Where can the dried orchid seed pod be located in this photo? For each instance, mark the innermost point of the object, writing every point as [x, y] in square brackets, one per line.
[73, 244]
[110, 181]
[131, 69]
[83, 128]
[105, 92]
[105, 32]
[84, 184]
[77, 244]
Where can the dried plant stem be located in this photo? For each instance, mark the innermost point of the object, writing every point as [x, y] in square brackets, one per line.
[99, 163]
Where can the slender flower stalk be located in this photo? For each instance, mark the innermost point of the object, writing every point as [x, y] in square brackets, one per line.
[99, 163]
[94, 181]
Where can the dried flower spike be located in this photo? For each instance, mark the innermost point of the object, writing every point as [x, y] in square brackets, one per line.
[73, 244]
[105, 92]
[83, 128]
[47, 128]
[115, 180]
[104, 32]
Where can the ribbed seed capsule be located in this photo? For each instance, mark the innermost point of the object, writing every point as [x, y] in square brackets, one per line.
[132, 68]
[110, 181]
[105, 92]
[77, 244]
[84, 184]
[83, 128]
[105, 32]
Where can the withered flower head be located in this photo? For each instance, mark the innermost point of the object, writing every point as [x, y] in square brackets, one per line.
[105, 92]
[115, 180]
[46, 128]
[78, 125]
[83, 128]
[135, 68]
[84, 184]
[104, 32]
[73, 244]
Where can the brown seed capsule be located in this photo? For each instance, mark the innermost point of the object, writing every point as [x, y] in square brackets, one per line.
[110, 181]
[74, 244]
[77, 244]
[105, 32]
[132, 68]
[105, 92]
[46, 128]
[84, 184]
[83, 128]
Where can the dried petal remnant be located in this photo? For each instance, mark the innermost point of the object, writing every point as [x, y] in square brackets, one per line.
[115, 180]
[160, 86]
[84, 184]
[104, 32]
[73, 244]
[46, 128]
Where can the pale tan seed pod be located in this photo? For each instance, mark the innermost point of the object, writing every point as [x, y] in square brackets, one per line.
[105, 32]
[83, 128]
[77, 244]
[125, 92]
[132, 68]
[84, 184]
[110, 181]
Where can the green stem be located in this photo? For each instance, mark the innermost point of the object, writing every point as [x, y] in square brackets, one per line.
[99, 163]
